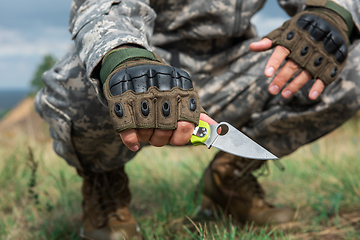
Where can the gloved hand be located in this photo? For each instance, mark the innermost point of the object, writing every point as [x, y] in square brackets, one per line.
[147, 98]
[315, 40]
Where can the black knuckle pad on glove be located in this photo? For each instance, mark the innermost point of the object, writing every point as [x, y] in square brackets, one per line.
[140, 78]
[314, 43]
[321, 30]
[151, 96]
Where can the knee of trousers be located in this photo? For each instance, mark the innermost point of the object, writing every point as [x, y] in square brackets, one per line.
[79, 124]
[59, 128]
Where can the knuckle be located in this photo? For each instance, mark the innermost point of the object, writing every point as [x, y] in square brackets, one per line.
[130, 140]
[280, 80]
[157, 144]
[283, 49]
[292, 65]
[297, 84]
[179, 142]
[294, 87]
[144, 134]
[307, 73]
[163, 133]
[319, 85]
[143, 139]
[276, 62]
[185, 127]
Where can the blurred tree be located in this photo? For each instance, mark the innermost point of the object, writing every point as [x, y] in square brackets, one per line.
[47, 63]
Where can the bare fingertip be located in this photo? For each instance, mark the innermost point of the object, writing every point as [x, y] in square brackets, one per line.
[314, 95]
[269, 71]
[274, 89]
[287, 94]
[134, 148]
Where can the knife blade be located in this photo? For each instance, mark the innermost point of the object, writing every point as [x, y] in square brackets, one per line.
[229, 140]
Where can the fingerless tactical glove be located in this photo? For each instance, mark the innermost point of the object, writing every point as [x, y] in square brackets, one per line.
[144, 92]
[318, 39]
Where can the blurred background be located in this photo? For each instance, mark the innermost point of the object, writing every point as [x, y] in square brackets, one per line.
[39, 192]
[35, 33]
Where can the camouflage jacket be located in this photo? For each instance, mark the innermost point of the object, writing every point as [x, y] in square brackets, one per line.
[98, 26]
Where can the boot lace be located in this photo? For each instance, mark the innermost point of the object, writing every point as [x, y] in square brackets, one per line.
[245, 174]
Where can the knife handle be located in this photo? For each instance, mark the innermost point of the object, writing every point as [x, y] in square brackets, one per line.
[201, 133]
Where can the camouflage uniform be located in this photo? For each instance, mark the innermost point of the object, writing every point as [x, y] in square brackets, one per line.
[210, 40]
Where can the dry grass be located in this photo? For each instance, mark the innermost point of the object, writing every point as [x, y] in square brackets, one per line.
[40, 198]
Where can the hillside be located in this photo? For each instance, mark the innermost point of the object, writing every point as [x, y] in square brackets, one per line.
[23, 121]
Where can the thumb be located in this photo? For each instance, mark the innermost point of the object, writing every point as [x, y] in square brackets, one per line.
[207, 119]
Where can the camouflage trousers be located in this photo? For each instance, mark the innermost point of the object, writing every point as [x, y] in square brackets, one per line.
[232, 88]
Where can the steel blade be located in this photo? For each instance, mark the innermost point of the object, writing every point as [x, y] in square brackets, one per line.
[237, 143]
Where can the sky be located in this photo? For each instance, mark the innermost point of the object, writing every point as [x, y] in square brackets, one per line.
[31, 29]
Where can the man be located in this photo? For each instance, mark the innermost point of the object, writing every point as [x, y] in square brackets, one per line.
[130, 44]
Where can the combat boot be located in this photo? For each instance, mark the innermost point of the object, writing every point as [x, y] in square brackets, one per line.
[106, 199]
[230, 188]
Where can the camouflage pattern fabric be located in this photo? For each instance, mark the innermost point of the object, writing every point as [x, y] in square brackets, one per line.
[212, 43]
[79, 124]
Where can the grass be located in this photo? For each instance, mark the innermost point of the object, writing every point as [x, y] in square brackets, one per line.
[40, 197]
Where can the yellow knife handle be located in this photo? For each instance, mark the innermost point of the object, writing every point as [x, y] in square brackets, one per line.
[200, 134]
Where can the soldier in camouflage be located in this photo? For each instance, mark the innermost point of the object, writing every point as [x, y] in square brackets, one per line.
[215, 42]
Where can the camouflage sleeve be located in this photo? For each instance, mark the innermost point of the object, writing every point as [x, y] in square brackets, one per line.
[353, 6]
[97, 26]
[292, 7]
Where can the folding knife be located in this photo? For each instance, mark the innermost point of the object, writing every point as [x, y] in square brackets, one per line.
[228, 139]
